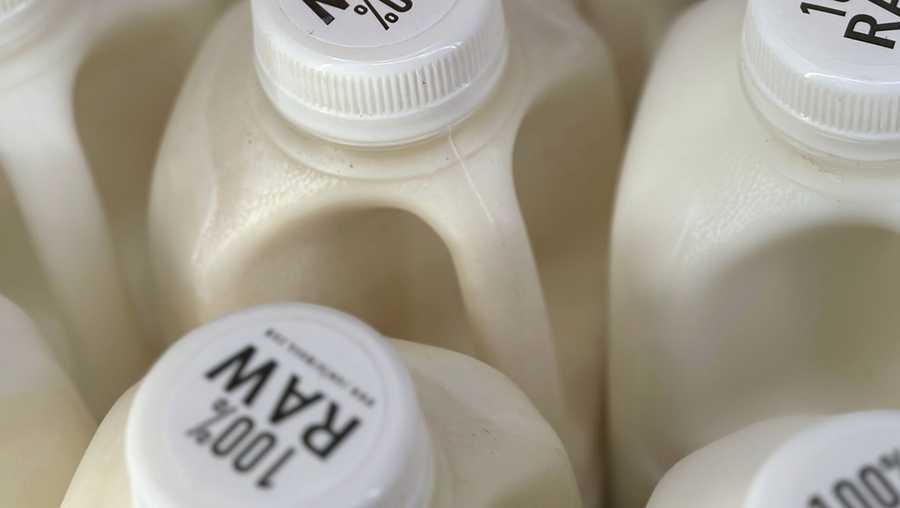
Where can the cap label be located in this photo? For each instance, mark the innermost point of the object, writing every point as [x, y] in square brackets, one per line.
[852, 462]
[284, 407]
[874, 484]
[850, 24]
[365, 23]
[863, 27]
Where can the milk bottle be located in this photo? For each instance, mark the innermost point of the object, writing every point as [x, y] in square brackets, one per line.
[45, 426]
[99, 114]
[429, 167]
[634, 31]
[121, 85]
[126, 86]
[298, 405]
[42, 43]
[754, 253]
[809, 462]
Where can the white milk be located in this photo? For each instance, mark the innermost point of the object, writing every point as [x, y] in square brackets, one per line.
[476, 169]
[634, 30]
[808, 462]
[44, 427]
[296, 405]
[755, 248]
[85, 90]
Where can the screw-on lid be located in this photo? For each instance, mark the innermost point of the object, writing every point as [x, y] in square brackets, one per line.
[852, 460]
[378, 72]
[827, 73]
[284, 406]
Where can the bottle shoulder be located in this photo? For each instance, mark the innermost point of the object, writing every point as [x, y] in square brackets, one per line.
[229, 160]
[442, 368]
[712, 205]
[725, 468]
[492, 441]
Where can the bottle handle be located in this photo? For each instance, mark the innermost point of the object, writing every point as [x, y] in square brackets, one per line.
[41, 154]
[473, 207]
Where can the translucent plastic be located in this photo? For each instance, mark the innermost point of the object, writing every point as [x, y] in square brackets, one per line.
[751, 279]
[493, 448]
[634, 30]
[720, 475]
[42, 158]
[84, 94]
[465, 240]
[124, 92]
[45, 425]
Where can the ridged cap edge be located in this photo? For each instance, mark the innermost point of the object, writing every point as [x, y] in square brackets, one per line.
[379, 93]
[817, 105]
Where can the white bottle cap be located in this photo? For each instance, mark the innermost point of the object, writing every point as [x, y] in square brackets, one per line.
[827, 73]
[283, 406]
[378, 72]
[851, 461]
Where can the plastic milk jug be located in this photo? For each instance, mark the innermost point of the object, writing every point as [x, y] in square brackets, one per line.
[41, 46]
[808, 462]
[124, 92]
[756, 235]
[296, 405]
[45, 426]
[85, 90]
[440, 169]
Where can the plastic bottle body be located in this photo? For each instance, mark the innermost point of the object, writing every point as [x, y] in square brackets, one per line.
[751, 279]
[45, 427]
[479, 462]
[727, 467]
[79, 144]
[248, 209]
[634, 31]
[121, 122]
[45, 167]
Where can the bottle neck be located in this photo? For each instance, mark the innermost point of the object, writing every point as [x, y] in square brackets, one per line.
[852, 182]
[821, 162]
[495, 121]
